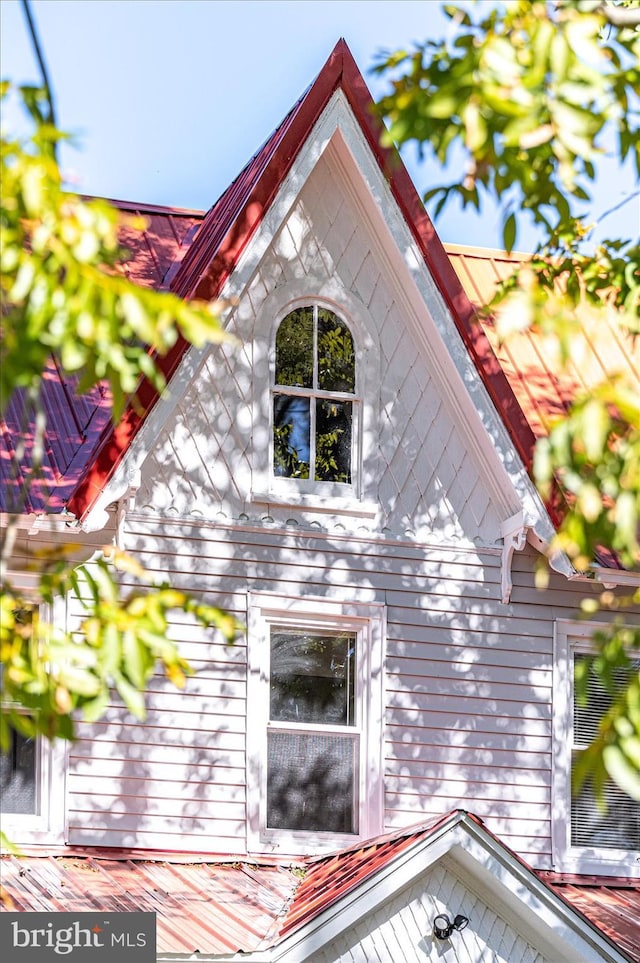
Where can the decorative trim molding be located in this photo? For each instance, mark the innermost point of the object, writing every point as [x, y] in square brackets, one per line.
[120, 489]
[514, 538]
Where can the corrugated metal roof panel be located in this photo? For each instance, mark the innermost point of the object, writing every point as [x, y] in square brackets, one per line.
[544, 388]
[330, 878]
[164, 241]
[612, 904]
[224, 907]
[76, 423]
[200, 907]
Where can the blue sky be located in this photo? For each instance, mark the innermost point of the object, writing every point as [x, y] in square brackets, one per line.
[169, 98]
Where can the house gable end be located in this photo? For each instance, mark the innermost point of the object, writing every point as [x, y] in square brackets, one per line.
[239, 213]
[454, 867]
[428, 466]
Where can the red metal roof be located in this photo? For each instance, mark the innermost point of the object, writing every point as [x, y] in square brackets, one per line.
[200, 906]
[329, 878]
[610, 903]
[544, 389]
[160, 245]
[225, 907]
[73, 429]
[76, 425]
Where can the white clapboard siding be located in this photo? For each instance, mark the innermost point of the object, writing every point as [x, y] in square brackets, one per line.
[467, 690]
[188, 837]
[195, 802]
[402, 928]
[149, 739]
[425, 478]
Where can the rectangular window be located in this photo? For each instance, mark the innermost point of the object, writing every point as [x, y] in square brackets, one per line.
[32, 779]
[32, 771]
[314, 723]
[586, 839]
[619, 826]
[19, 775]
[313, 733]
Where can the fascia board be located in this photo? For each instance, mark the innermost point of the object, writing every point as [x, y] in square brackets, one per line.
[36, 522]
[503, 469]
[612, 577]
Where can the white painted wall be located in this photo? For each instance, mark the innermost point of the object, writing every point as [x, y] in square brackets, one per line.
[402, 930]
[467, 682]
[419, 470]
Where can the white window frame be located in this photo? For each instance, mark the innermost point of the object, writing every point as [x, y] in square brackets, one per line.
[314, 394]
[358, 497]
[571, 638]
[314, 614]
[47, 823]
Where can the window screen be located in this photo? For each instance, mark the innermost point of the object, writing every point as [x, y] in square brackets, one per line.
[310, 782]
[18, 775]
[313, 740]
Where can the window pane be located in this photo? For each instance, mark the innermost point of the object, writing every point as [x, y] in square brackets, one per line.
[294, 349]
[310, 782]
[18, 775]
[586, 717]
[619, 826]
[312, 678]
[333, 440]
[336, 359]
[291, 434]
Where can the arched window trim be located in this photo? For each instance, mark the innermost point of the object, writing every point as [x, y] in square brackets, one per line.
[360, 500]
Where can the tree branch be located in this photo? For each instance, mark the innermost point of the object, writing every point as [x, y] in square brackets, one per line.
[33, 33]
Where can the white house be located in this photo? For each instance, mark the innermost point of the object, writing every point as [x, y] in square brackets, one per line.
[351, 479]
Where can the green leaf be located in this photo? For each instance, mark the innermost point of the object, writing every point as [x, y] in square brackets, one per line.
[132, 697]
[509, 230]
[622, 771]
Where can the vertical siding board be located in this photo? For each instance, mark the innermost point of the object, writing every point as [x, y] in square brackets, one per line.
[402, 929]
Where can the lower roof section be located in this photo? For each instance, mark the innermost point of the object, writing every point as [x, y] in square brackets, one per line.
[217, 907]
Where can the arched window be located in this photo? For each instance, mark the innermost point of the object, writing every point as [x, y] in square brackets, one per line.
[314, 397]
